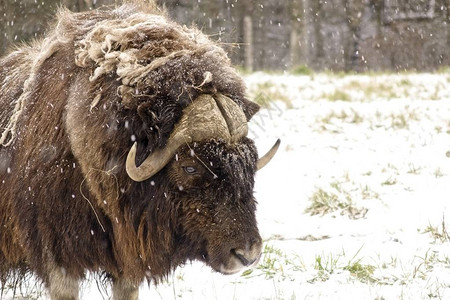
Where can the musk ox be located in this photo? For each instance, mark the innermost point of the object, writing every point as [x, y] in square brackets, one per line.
[124, 152]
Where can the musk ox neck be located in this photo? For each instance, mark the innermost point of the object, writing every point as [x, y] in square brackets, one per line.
[145, 237]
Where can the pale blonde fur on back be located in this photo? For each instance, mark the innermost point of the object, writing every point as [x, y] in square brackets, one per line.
[46, 48]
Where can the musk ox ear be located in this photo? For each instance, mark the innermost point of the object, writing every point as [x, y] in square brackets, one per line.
[250, 108]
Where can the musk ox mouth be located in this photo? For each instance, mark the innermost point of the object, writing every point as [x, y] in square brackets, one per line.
[237, 263]
[236, 259]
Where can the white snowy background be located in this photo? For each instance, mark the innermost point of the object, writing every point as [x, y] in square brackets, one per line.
[355, 205]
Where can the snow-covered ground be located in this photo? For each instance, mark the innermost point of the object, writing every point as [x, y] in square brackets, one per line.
[356, 204]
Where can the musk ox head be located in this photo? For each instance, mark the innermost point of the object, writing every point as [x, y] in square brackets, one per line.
[210, 170]
[170, 117]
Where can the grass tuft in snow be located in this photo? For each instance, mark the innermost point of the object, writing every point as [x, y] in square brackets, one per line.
[412, 169]
[362, 272]
[368, 193]
[271, 262]
[351, 116]
[327, 263]
[389, 181]
[330, 264]
[334, 199]
[403, 120]
[324, 202]
[438, 233]
[438, 173]
[275, 263]
[338, 95]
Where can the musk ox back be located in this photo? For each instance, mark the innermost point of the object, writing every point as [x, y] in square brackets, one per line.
[124, 151]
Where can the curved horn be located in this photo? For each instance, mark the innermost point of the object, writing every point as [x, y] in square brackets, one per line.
[152, 164]
[205, 118]
[268, 156]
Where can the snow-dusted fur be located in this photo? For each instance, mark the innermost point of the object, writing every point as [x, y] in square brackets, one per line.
[71, 106]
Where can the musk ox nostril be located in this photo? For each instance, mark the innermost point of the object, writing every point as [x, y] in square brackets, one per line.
[240, 254]
[246, 257]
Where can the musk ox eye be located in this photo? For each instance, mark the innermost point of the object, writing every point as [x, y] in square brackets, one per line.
[190, 170]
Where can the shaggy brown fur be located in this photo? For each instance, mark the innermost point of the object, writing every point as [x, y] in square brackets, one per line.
[71, 107]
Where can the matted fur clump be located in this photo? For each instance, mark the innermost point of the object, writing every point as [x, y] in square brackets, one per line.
[150, 54]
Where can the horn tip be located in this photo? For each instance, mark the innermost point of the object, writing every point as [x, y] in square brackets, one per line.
[268, 156]
[278, 142]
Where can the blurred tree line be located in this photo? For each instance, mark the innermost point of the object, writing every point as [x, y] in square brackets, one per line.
[340, 35]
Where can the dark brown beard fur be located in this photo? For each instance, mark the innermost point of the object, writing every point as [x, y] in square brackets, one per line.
[65, 196]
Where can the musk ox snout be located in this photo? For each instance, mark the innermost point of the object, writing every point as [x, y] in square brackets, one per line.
[229, 254]
[245, 255]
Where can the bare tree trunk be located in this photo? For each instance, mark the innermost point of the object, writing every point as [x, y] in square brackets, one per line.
[297, 45]
[248, 43]
[447, 19]
[317, 14]
[3, 9]
[89, 4]
[294, 59]
[6, 26]
[72, 5]
[354, 11]
[378, 8]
